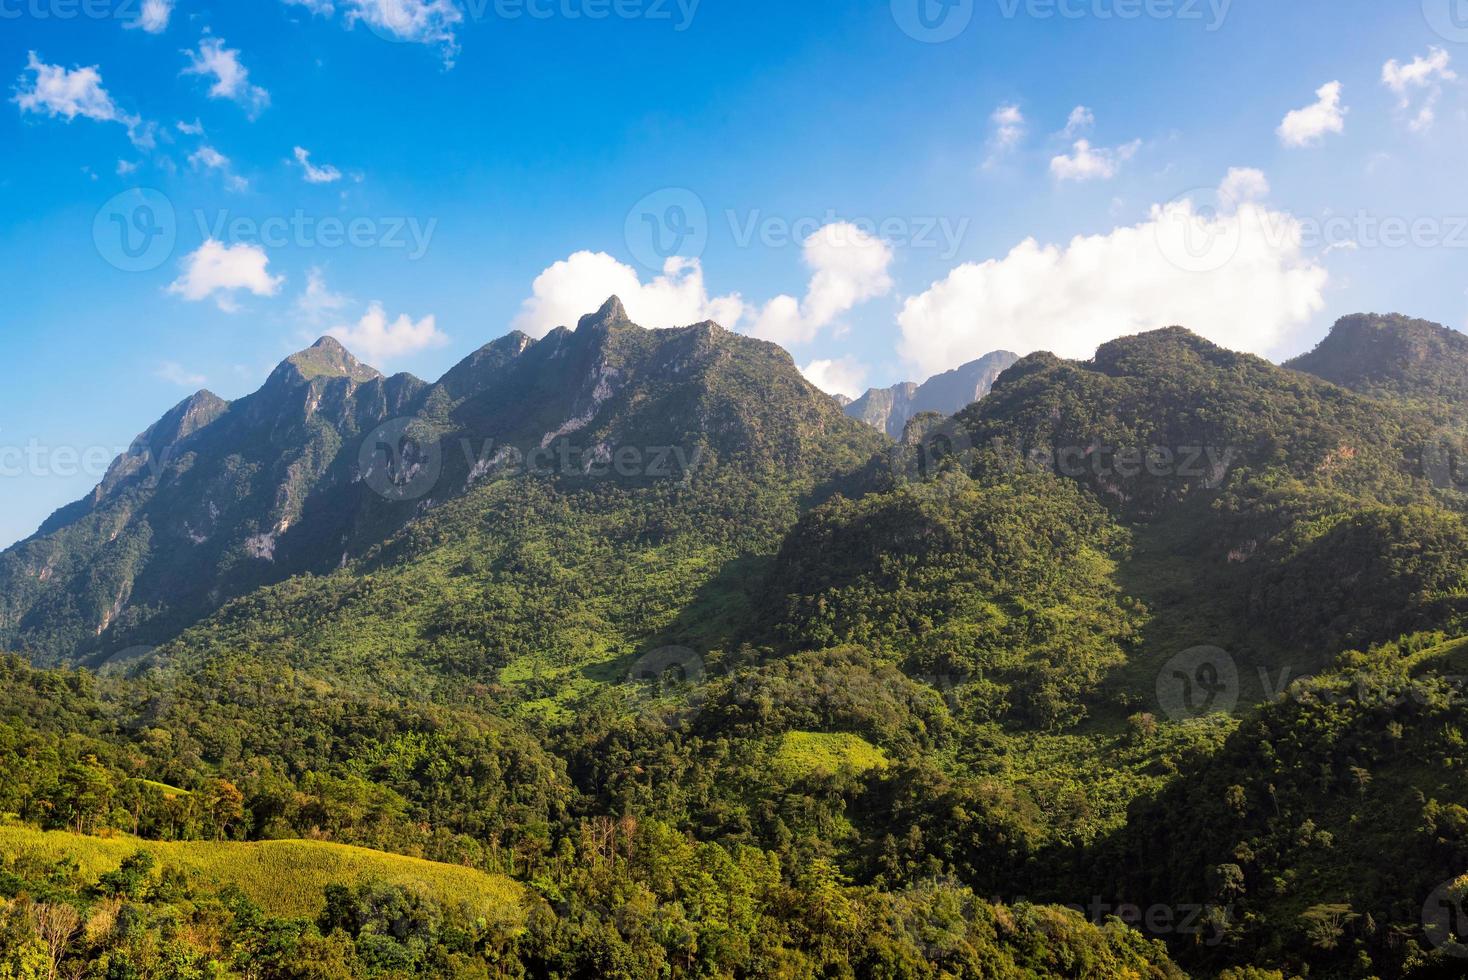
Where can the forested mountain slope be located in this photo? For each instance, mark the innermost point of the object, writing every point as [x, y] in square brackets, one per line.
[733, 685]
[329, 459]
[1392, 356]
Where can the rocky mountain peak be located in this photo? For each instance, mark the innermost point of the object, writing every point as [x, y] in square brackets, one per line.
[1391, 355]
[326, 358]
[612, 313]
[890, 409]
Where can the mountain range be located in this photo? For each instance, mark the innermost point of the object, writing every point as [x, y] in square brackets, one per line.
[322, 463]
[735, 682]
[888, 409]
[1395, 357]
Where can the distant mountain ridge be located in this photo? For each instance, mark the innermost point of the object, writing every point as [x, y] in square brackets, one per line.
[1056, 643]
[219, 498]
[889, 409]
[205, 505]
[1392, 356]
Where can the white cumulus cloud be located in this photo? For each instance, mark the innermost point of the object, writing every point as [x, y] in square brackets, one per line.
[849, 266]
[231, 78]
[1081, 120]
[324, 174]
[379, 340]
[579, 284]
[838, 376]
[1087, 162]
[1307, 126]
[59, 92]
[207, 157]
[175, 373]
[153, 17]
[222, 271]
[1243, 184]
[318, 301]
[1419, 82]
[417, 21]
[1237, 275]
[1006, 130]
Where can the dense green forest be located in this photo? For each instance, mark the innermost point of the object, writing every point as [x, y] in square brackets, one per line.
[1145, 666]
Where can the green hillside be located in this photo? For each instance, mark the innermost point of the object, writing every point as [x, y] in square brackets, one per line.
[1393, 357]
[1169, 629]
[286, 878]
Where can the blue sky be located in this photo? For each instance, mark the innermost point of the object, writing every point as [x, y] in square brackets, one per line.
[829, 181]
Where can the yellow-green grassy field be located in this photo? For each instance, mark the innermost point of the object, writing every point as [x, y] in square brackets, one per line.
[802, 754]
[285, 877]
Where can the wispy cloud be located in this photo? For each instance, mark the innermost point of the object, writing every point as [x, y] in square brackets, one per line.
[1087, 162]
[324, 174]
[175, 373]
[66, 93]
[153, 17]
[318, 302]
[1307, 126]
[837, 376]
[1420, 79]
[207, 157]
[380, 340]
[1006, 130]
[231, 78]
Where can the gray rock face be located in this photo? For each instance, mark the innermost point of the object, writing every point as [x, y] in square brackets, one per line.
[322, 464]
[888, 409]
